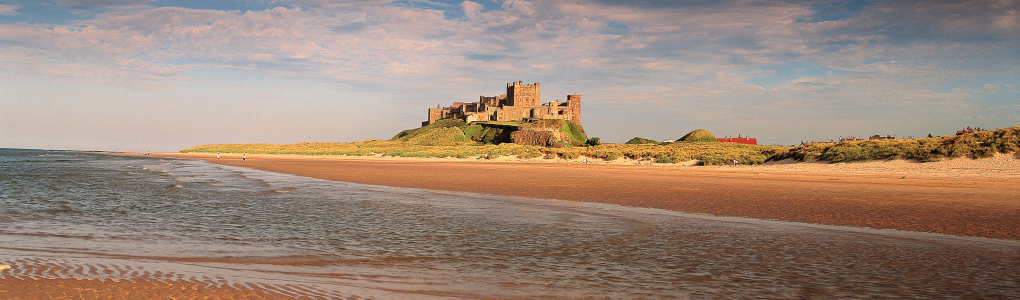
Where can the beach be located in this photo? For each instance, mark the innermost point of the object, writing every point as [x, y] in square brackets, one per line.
[964, 196]
[93, 225]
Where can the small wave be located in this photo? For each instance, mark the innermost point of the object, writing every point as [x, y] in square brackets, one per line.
[57, 210]
[141, 275]
[56, 235]
[48, 161]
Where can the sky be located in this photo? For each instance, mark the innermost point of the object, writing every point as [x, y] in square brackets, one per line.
[162, 75]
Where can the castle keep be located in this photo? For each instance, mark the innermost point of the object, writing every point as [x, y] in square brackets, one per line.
[520, 101]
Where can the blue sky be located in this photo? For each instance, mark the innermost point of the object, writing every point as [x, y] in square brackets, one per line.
[144, 75]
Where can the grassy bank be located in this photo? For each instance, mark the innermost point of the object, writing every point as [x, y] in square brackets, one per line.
[707, 153]
[453, 132]
[979, 144]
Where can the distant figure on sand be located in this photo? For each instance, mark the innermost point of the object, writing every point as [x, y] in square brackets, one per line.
[244, 156]
[217, 157]
[735, 162]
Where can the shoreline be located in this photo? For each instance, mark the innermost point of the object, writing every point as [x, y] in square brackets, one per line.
[963, 197]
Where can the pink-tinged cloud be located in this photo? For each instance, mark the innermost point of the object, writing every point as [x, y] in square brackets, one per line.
[680, 64]
[9, 9]
[94, 5]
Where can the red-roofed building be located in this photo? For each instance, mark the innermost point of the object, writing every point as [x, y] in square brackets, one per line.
[739, 140]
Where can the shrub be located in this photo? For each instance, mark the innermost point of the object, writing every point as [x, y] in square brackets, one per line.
[529, 154]
[664, 160]
[593, 142]
[570, 155]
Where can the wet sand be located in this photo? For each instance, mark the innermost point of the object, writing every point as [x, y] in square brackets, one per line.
[959, 197]
[36, 288]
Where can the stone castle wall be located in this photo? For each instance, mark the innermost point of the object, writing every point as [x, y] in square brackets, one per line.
[519, 94]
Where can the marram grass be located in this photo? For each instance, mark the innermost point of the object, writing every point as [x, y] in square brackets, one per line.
[425, 144]
[980, 144]
[678, 152]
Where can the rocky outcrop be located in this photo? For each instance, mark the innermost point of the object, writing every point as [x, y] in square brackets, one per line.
[543, 137]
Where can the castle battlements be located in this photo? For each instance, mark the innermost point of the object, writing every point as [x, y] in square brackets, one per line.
[521, 101]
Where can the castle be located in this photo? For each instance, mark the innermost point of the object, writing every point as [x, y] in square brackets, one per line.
[521, 101]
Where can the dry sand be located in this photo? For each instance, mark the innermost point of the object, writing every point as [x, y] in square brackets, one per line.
[960, 197]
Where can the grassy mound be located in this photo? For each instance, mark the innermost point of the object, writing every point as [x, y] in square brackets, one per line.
[639, 141]
[572, 130]
[440, 133]
[980, 144]
[699, 135]
[457, 132]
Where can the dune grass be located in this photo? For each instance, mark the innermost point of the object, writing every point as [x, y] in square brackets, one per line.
[707, 153]
[980, 144]
[418, 144]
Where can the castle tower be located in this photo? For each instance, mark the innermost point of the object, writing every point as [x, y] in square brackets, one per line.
[519, 94]
[574, 104]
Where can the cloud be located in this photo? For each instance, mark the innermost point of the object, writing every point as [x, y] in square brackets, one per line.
[518, 7]
[96, 5]
[644, 55]
[9, 9]
[471, 9]
[693, 40]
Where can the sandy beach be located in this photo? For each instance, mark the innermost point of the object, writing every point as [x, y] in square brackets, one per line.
[963, 196]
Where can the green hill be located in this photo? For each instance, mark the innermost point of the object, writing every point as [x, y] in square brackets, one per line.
[441, 133]
[639, 141]
[699, 135]
[457, 132]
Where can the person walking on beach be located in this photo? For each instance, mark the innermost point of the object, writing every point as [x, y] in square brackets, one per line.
[735, 162]
[244, 156]
[217, 157]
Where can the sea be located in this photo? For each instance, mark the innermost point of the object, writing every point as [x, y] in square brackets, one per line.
[83, 215]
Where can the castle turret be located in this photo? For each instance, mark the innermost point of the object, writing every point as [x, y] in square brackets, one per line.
[574, 104]
[519, 94]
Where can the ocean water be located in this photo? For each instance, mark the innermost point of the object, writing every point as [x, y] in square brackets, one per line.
[88, 215]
